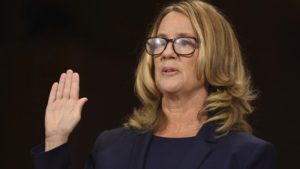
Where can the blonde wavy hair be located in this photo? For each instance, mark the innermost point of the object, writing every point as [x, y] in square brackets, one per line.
[219, 62]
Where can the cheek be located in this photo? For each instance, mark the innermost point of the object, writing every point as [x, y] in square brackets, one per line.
[191, 68]
[190, 73]
[156, 69]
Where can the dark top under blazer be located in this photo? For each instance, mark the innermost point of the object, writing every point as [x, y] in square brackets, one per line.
[124, 148]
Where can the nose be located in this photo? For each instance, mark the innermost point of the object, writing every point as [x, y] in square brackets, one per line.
[169, 52]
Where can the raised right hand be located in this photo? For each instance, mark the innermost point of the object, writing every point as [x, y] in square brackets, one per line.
[63, 111]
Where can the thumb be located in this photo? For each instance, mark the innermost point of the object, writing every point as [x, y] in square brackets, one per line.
[80, 104]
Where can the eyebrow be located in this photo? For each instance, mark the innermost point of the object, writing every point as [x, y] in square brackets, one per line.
[177, 35]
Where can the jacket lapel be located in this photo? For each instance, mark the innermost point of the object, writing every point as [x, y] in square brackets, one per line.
[200, 149]
[139, 151]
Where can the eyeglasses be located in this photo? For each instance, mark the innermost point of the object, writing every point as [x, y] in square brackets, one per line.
[181, 45]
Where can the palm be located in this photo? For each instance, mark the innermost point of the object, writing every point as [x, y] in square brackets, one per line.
[61, 117]
[64, 107]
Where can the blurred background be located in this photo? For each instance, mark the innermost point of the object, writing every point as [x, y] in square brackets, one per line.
[102, 40]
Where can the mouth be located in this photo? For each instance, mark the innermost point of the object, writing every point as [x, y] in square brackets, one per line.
[169, 70]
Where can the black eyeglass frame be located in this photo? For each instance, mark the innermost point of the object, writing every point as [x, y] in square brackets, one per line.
[171, 40]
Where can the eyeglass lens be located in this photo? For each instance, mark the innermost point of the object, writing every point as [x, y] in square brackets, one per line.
[184, 46]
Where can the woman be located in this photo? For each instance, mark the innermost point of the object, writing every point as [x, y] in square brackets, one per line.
[195, 94]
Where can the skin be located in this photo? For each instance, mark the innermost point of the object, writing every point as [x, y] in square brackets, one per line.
[63, 111]
[183, 93]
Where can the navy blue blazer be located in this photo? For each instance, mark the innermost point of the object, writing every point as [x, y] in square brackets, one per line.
[124, 148]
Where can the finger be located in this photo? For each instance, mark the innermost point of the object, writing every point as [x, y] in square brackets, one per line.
[67, 87]
[61, 86]
[74, 93]
[52, 95]
[80, 105]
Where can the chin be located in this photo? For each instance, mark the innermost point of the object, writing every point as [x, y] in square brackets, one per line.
[169, 88]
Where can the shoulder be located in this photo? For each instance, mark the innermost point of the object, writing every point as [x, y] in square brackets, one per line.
[234, 140]
[114, 136]
[244, 138]
[248, 149]
[244, 141]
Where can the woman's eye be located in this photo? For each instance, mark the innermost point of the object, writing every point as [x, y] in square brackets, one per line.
[185, 43]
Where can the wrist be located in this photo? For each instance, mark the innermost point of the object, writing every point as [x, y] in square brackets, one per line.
[54, 141]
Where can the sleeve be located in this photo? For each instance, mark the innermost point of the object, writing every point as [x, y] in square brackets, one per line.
[263, 156]
[58, 158]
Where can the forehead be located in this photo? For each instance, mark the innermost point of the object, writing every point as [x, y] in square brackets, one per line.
[175, 24]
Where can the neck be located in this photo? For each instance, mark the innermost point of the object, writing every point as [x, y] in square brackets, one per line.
[184, 116]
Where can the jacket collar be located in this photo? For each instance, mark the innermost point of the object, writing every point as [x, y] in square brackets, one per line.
[201, 148]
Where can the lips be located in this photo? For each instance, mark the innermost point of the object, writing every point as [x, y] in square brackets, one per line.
[169, 70]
